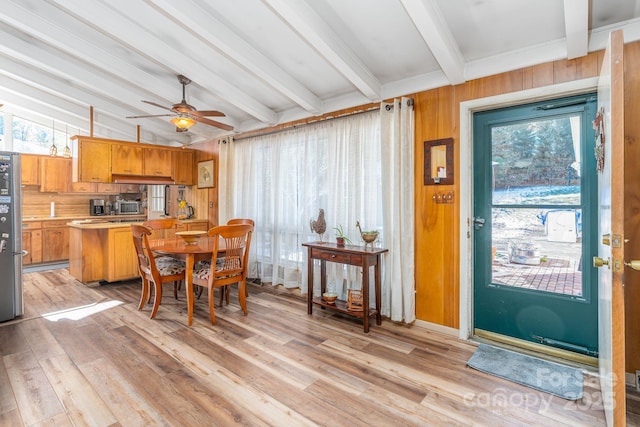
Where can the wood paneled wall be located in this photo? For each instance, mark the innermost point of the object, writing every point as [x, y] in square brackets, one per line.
[205, 200]
[438, 225]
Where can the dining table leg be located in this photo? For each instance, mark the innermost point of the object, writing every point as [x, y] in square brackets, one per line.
[188, 280]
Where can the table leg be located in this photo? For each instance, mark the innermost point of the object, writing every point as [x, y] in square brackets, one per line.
[188, 281]
[365, 295]
[378, 292]
[310, 283]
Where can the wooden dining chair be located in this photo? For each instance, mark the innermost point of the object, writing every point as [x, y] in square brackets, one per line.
[226, 290]
[228, 265]
[151, 271]
[162, 224]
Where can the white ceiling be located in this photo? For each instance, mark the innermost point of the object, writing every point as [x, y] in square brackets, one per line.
[264, 62]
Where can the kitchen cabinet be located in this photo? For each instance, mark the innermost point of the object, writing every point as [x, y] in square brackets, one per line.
[91, 160]
[122, 260]
[157, 161]
[126, 159]
[198, 226]
[182, 165]
[83, 187]
[104, 160]
[32, 242]
[30, 166]
[107, 187]
[55, 241]
[54, 174]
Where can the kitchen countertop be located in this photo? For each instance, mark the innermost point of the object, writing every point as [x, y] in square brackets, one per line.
[112, 222]
[101, 224]
[102, 218]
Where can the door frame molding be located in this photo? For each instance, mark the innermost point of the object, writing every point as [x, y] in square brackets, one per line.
[467, 108]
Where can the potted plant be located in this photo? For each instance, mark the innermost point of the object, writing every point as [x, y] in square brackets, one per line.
[341, 238]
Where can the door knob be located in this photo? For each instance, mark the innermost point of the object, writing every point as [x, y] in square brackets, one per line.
[635, 264]
[478, 222]
[599, 262]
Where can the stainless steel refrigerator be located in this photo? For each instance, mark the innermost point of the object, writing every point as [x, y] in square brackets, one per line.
[11, 304]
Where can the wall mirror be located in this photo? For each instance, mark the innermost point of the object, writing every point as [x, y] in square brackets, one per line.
[438, 162]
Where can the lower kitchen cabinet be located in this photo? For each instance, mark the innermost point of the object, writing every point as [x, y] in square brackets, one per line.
[198, 226]
[122, 260]
[45, 241]
[32, 245]
[55, 241]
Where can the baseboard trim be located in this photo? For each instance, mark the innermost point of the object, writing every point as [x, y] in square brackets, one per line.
[44, 267]
[446, 330]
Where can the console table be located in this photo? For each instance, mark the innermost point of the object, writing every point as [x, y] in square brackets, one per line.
[352, 255]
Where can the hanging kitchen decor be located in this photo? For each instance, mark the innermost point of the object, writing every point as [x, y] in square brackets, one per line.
[53, 151]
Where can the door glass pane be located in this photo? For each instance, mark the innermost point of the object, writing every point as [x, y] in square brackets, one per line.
[537, 162]
[536, 206]
[537, 249]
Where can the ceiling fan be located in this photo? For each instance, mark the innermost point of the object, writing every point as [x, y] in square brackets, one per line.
[185, 115]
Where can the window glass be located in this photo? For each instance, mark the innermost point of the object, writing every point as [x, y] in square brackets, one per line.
[35, 138]
[156, 196]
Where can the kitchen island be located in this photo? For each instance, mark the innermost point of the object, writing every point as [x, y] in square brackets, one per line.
[103, 251]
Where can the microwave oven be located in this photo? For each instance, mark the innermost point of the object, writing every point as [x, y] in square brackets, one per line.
[127, 207]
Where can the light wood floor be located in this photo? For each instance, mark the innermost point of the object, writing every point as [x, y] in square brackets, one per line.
[86, 356]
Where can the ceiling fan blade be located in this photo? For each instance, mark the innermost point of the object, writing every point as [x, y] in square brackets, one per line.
[208, 113]
[156, 105]
[212, 123]
[154, 115]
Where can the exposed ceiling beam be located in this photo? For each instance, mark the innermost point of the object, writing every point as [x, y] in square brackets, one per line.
[436, 34]
[576, 22]
[321, 37]
[112, 18]
[29, 61]
[217, 35]
[140, 83]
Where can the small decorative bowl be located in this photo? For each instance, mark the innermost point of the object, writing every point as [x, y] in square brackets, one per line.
[369, 236]
[190, 237]
[330, 297]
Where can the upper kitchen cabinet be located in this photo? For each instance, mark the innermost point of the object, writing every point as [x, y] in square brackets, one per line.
[99, 160]
[126, 159]
[91, 160]
[183, 167]
[30, 169]
[54, 173]
[157, 161]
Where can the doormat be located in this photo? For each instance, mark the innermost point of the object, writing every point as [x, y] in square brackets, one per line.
[549, 377]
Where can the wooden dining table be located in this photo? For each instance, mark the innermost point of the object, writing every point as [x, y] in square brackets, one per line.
[176, 247]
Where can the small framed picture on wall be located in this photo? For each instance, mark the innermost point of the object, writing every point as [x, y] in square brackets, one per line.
[206, 177]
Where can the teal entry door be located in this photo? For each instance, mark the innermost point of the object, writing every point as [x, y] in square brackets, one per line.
[535, 223]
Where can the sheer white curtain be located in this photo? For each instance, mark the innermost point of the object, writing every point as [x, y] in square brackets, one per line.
[282, 180]
[397, 137]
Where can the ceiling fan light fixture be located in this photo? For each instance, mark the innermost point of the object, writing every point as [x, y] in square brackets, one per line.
[183, 122]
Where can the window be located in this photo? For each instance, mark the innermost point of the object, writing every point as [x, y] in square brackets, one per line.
[157, 197]
[34, 137]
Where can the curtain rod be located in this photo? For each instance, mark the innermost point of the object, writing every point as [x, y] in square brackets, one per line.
[388, 107]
